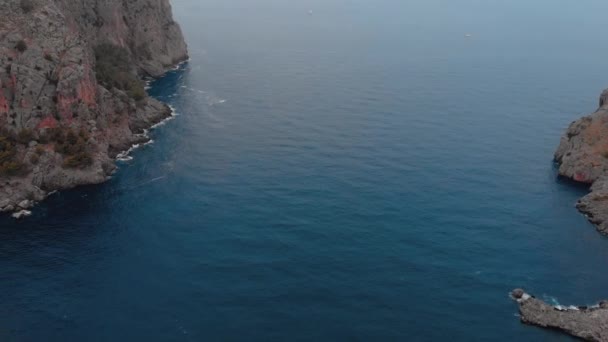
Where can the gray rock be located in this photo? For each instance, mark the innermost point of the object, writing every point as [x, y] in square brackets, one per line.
[517, 293]
[590, 324]
[582, 156]
[25, 204]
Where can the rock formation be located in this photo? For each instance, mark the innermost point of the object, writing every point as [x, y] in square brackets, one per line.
[71, 95]
[588, 323]
[583, 156]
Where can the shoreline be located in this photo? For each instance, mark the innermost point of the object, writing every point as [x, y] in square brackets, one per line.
[23, 208]
[586, 322]
[582, 158]
[125, 156]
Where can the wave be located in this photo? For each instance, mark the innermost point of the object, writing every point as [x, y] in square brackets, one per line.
[181, 64]
[125, 156]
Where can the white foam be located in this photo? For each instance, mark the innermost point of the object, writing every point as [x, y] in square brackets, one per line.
[125, 156]
[22, 214]
[178, 66]
[162, 123]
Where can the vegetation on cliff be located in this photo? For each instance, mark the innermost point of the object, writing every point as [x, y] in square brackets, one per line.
[27, 5]
[73, 146]
[114, 70]
[9, 164]
[50, 52]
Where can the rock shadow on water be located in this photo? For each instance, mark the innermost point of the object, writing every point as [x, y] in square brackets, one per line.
[162, 88]
[580, 188]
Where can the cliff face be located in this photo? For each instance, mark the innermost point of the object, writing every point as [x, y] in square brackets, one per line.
[70, 91]
[583, 156]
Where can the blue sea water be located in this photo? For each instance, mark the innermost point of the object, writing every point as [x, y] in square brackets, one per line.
[364, 173]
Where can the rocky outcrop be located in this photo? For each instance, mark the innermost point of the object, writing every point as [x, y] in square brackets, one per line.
[582, 156]
[60, 125]
[587, 322]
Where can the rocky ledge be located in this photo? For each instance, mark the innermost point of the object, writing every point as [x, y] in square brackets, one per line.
[586, 322]
[71, 90]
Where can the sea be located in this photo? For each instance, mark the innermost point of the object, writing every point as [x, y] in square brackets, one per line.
[336, 170]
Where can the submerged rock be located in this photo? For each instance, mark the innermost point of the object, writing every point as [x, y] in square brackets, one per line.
[588, 323]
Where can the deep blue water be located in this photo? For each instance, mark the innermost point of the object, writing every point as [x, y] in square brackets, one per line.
[363, 173]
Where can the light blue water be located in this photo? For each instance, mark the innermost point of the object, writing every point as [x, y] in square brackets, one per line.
[363, 173]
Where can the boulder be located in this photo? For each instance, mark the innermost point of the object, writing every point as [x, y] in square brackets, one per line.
[25, 204]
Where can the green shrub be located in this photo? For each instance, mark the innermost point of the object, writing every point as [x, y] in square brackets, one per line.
[73, 146]
[21, 46]
[113, 69]
[12, 168]
[137, 92]
[78, 161]
[34, 158]
[9, 165]
[7, 149]
[25, 136]
[40, 150]
[27, 5]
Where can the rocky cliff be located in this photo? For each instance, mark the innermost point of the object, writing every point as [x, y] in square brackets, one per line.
[71, 95]
[583, 156]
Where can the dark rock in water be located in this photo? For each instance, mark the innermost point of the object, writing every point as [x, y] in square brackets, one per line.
[517, 293]
[65, 111]
[589, 324]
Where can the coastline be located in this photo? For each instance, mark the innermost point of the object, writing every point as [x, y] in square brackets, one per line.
[582, 156]
[23, 207]
[125, 155]
[586, 322]
[69, 107]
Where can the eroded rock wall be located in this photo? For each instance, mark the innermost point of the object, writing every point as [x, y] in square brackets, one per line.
[49, 91]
